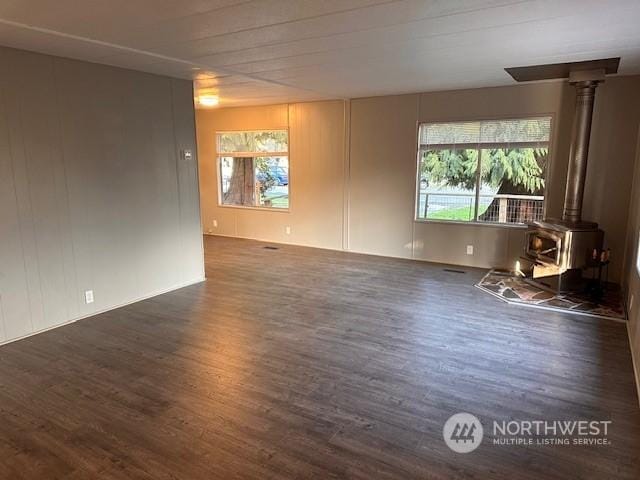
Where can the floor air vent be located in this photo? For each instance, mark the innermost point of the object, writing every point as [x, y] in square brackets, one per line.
[453, 270]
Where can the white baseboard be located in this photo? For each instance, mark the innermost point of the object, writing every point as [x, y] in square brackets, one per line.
[135, 300]
[278, 242]
[354, 251]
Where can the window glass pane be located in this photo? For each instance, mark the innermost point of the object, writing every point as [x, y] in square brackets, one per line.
[447, 181]
[512, 183]
[255, 181]
[268, 141]
[272, 181]
[237, 183]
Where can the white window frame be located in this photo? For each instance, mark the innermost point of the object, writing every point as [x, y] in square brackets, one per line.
[476, 146]
[220, 155]
[638, 255]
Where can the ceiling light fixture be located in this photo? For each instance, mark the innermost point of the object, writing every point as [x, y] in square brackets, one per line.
[208, 100]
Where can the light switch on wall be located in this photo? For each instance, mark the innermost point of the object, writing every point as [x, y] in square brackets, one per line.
[469, 249]
[287, 230]
[215, 224]
[186, 154]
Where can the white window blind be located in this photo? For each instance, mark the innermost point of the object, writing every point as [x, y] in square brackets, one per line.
[534, 132]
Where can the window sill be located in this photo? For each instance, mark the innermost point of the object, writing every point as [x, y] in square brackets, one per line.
[262, 209]
[514, 226]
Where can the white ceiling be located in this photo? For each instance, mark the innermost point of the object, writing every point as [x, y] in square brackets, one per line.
[271, 51]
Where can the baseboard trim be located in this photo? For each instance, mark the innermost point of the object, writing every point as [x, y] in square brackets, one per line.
[279, 242]
[355, 252]
[135, 300]
[636, 369]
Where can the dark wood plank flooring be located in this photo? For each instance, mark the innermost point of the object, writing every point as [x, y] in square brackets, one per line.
[304, 363]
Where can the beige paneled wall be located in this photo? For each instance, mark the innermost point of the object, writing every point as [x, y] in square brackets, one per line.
[93, 195]
[631, 274]
[495, 246]
[208, 123]
[317, 165]
[611, 162]
[382, 175]
[317, 142]
[384, 161]
[616, 118]
[379, 181]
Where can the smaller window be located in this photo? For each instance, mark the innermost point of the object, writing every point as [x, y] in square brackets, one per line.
[254, 168]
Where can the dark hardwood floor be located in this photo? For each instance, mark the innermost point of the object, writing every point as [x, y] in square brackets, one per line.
[304, 363]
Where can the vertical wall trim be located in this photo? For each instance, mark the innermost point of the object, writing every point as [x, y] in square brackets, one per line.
[4, 110]
[346, 188]
[180, 142]
[29, 198]
[290, 106]
[196, 158]
[11, 139]
[67, 204]
[415, 176]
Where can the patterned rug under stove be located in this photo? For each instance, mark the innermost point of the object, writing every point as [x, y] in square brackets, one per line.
[515, 290]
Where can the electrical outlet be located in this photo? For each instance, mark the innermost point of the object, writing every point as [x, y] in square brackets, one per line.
[215, 224]
[469, 249]
[287, 230]
[88, 296]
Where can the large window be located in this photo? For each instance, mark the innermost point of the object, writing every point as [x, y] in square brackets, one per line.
[254, 168]
[485, 171]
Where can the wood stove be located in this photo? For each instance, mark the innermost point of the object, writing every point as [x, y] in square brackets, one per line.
[559, 250]
[559, 253]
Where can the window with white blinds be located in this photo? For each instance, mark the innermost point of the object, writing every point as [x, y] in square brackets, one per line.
[483, 171]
